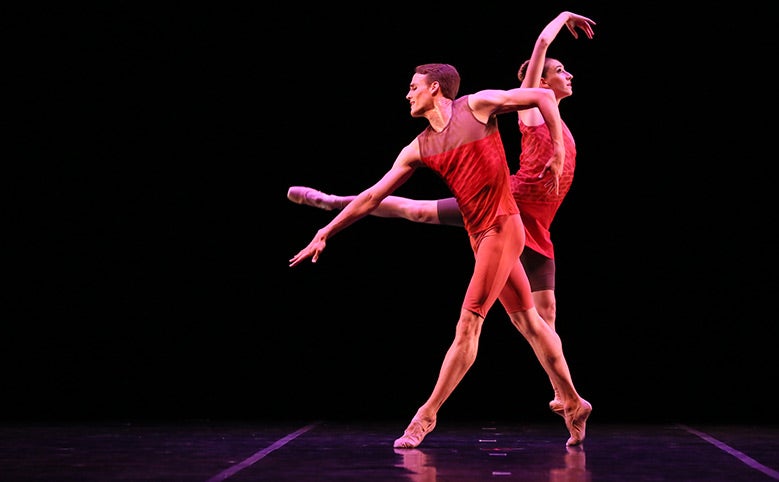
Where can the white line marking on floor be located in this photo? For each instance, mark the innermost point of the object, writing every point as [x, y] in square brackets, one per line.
[261, 454]
[739, 455]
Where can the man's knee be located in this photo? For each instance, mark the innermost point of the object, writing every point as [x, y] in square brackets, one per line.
[470, 323]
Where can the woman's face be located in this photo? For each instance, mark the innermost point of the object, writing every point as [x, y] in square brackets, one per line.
[558, 79]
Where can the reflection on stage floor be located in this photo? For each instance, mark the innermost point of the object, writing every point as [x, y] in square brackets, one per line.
[210, 451]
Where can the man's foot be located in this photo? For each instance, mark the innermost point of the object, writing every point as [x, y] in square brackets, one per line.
[415, 433]
[576, 421]
[557, 407]
[310, 197]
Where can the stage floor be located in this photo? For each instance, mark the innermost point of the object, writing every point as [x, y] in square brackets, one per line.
[208, 451]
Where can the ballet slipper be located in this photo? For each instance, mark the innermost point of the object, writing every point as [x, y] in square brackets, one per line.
[558, 407]
[576, 421]
[310, 197]
[414, 433]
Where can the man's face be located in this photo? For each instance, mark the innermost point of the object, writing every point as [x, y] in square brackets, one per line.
[419, 95]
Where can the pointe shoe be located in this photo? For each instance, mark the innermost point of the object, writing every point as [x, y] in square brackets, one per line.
[414, 434]
[557, 407]
[576, 421]
[309, 196]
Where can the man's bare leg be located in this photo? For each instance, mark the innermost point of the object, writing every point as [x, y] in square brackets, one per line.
[548, 349]
[459, 358]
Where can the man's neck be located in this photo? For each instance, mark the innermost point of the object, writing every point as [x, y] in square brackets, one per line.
[440, 115]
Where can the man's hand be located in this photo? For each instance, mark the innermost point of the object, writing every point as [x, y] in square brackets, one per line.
[313, 250]
[554, 167]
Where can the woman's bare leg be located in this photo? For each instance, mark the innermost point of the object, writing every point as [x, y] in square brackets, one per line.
[418, 211]
[546, 304]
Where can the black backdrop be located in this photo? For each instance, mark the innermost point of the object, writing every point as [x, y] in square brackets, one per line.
[149, 232]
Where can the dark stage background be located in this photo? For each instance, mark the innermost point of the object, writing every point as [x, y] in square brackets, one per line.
[147, 268]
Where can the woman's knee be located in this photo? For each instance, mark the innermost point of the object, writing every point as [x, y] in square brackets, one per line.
[528, 322]
[546, 305]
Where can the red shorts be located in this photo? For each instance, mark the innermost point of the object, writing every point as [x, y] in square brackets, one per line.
[497, 272]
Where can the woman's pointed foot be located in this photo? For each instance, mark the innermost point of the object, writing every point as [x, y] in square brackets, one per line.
[558, 407]
[310, 197]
